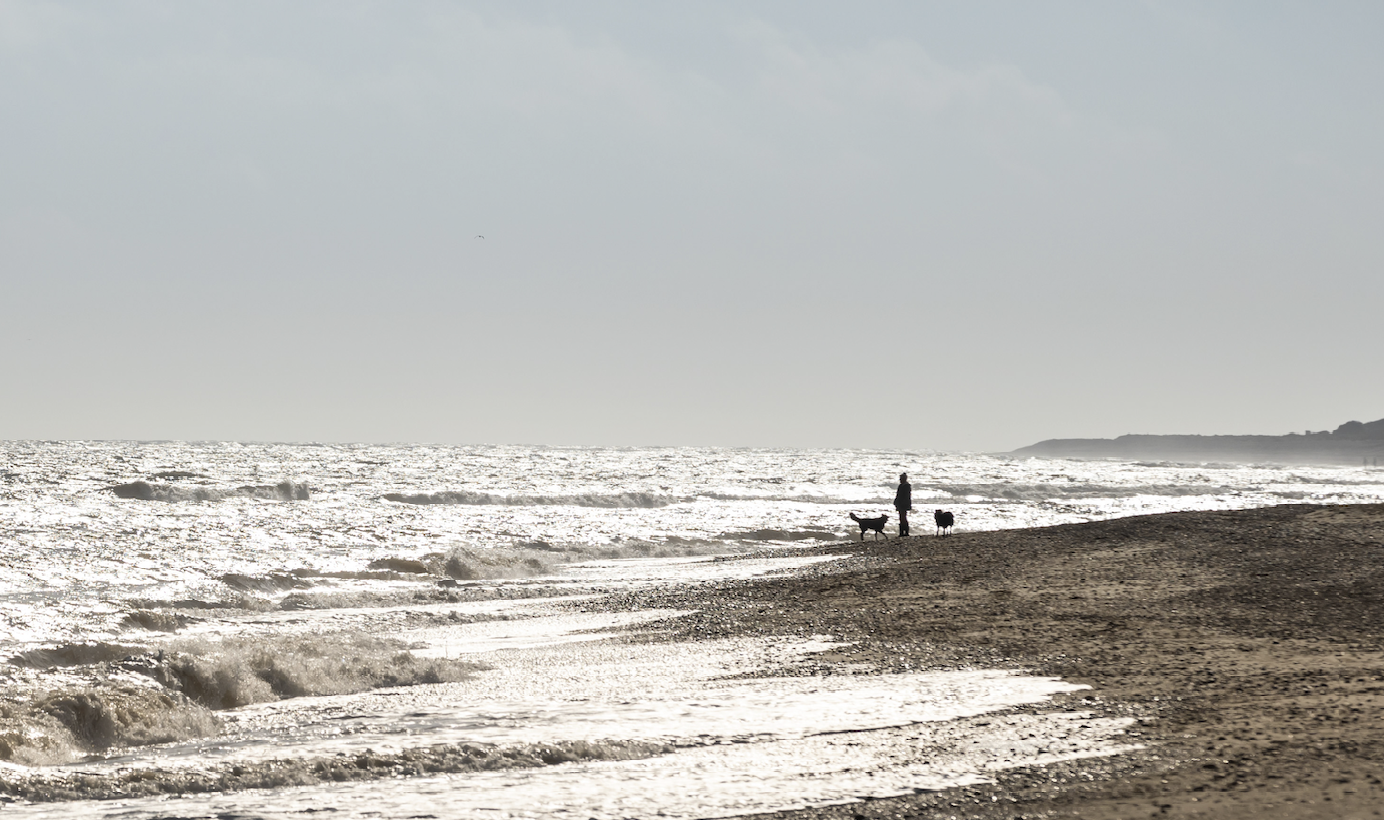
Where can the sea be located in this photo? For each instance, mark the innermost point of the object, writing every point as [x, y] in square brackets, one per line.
[258, 630]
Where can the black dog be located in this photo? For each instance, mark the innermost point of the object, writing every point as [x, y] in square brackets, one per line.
[944, 521]
[876, 524]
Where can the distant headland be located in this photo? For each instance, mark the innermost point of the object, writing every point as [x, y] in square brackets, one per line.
[1351, 443]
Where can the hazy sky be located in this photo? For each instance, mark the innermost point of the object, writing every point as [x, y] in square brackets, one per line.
[951, 225]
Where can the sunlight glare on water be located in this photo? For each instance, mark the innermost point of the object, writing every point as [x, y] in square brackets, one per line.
[226, 604]
[737, 744]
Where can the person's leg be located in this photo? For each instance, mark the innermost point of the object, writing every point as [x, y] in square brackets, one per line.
[903, 522]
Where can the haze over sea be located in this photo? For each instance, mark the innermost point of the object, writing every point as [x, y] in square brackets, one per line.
[260, 615]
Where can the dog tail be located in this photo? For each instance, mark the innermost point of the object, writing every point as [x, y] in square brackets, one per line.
[854, 517]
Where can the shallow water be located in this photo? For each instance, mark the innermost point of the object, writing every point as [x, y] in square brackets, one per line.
[258, 603]
[732, 744]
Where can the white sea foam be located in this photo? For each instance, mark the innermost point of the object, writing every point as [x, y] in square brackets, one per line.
[635, 500]
[173, 493]
[204, 621]
[59, 723]
[679, 729]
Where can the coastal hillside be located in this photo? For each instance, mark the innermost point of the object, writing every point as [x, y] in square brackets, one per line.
[1351, 443]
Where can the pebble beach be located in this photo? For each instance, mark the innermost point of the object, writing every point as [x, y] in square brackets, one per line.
[1245, 644]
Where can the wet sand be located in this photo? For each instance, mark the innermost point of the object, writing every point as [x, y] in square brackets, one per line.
[1246, 643]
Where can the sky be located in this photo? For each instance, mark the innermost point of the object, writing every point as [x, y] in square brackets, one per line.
[915, 225]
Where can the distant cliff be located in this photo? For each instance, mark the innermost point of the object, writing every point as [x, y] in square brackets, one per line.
[1351, 443]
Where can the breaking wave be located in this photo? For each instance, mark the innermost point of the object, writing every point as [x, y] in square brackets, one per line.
[58, 726]
[782, 535]
[228, 674]
[436, 590]
[172, 493]
[465, 564]
[368, 765]
[72, 654]
[1058, 492]
[268, 583]
[612, 500]
[154, 620]
[534, 569]
[801, 498]
[187, 683]
[441, 591]
[460, 563]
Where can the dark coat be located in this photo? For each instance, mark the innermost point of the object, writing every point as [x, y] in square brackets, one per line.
[903, 501]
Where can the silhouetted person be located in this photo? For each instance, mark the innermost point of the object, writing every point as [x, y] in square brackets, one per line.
[903, 502]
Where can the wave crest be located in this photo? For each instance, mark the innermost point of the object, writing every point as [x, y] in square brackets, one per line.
[174, 493]
[800, 498]
[59, 726]
[368, 765]
[782, 535]
[1058, 492]
[230, 674]
[72, 654]
[611, 500]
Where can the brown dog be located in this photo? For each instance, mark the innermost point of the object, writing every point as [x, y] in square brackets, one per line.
[876, 524]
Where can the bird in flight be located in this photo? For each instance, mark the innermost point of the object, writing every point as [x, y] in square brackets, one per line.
[478, 236]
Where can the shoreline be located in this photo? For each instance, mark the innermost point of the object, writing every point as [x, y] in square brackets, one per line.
[1246, 643]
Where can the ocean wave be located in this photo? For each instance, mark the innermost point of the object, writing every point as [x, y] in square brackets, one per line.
[233, 673]
[155, 620]
[439, 591]
[285, 773]
[782, 535]
[102, 706]
[611, 500]
[175, 493]
[73, 654]
[465, 564]
[801, 498]
[459, 563]
[619, 500]
[1057, 492]
[175, 475]
[148, 611]
[404, 565]
[268, 583]
[272, 583]
[534, 569]
[59, 726]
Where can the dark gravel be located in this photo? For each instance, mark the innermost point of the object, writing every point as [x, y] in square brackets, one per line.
[1247, 643]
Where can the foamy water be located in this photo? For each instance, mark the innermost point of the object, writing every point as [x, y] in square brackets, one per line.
[265, 621]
